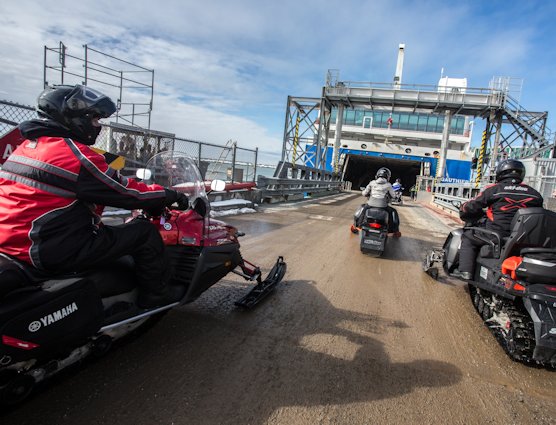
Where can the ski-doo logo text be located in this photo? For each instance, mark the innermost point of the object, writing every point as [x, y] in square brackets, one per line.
[53, 317]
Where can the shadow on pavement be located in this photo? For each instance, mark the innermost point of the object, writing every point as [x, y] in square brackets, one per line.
[213, 364]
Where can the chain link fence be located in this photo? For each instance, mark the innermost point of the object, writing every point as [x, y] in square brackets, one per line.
[11, 114]
[226, 162]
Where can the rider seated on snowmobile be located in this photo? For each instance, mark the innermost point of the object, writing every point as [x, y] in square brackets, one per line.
[397, 185]
[398, 188]
[501, 201]
[53, 187]
[380, 191]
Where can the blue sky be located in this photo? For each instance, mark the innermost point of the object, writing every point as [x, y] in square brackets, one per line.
[224, 69]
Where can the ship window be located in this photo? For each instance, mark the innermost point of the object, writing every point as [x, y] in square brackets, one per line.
[404, 121]
[395, 120]
[457, 125]
[440, 125]
[422, 123]
[358, 117]
[349, 117]
[412, 125]
[432, 123]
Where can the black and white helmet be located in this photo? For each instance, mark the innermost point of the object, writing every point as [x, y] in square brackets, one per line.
[383, 172]
[75, 108]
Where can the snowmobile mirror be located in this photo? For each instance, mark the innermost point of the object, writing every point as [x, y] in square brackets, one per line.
[218, 185]
[143, 173]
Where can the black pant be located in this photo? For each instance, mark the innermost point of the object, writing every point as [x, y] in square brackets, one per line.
[393, 218]
[470, 246]
[138, 238]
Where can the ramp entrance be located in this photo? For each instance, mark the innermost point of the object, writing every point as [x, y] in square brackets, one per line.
[361, 170]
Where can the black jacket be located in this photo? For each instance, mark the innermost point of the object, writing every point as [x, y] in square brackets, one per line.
[501, 201]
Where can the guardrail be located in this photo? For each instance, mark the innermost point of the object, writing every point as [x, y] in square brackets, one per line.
[451, 196]
[276, 189]
[292, 181]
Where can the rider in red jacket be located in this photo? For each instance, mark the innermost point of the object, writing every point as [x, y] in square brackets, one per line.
[51, 188]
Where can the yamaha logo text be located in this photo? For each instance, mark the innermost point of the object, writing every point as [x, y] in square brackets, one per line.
[53, 317]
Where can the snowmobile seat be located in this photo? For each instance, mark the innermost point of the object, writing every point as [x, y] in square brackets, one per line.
[110, 279]
[376, 213]
[530, 228]
[12, 276]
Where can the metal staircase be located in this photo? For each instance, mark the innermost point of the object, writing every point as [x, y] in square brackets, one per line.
[221, 161]
[530, 127]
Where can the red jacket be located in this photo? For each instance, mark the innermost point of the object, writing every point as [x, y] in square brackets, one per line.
[49, 189]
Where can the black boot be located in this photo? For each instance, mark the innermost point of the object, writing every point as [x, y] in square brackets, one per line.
[170, 294]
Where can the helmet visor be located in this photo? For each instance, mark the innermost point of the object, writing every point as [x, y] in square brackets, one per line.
[83, 100]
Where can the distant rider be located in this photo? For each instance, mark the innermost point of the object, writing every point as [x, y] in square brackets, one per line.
[380, 191]
[501, 201]
[398, 188]
[51, 187]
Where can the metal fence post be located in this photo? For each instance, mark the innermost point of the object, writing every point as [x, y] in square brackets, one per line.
[234, 152]
[255, 168]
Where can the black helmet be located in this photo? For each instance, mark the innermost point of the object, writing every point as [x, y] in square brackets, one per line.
[75, 107]
[383, 172]
[510, 168]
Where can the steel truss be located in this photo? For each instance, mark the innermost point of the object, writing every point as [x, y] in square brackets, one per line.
[306, 132]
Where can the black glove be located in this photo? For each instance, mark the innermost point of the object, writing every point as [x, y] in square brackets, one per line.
[174, 197]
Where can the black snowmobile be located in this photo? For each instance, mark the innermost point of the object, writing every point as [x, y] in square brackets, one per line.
[514, 285]
[373, 231]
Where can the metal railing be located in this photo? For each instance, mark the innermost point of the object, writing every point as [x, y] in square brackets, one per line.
[544, 180]
[451, 196]
[292, 181]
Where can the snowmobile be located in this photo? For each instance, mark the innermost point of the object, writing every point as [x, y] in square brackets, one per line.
[514, 284]
[49, 322]
[398, 198]
[373, 231]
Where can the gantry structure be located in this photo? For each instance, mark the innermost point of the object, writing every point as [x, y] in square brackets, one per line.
[508, 125]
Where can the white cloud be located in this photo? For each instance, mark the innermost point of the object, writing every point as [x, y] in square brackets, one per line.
[223, 70]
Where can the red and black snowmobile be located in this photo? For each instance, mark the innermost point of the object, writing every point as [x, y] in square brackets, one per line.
[514, 285]
[49, 322]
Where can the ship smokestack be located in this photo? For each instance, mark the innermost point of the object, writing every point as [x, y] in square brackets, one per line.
[399, 67]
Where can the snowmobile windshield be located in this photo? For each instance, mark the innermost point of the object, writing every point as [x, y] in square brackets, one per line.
[178, 171]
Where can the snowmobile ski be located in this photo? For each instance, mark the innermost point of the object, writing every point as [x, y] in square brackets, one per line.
[264, 287]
